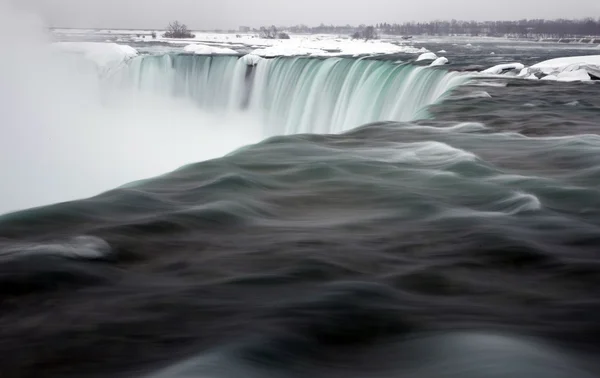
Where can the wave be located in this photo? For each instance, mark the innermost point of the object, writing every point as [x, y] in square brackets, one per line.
[421, 355]
[344, 255]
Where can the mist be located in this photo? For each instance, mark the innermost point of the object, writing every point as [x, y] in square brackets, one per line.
[62, 140]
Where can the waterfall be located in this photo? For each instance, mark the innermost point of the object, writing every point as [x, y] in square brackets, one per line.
[298, 94]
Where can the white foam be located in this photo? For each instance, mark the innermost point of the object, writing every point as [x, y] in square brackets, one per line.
[482, 83]
[474, 94]
[79, 247]
[460, 127]
[521, 202]
[513, 204]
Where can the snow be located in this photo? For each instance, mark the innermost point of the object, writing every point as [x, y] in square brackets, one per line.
[427, 56]
[251, 59]
[209, 50]
[578, 75]
[273, 51]
[560, 64]
[496, 70]
[439, 61]
[331, 47]
[106, 56]
[572, 68]
[525, 71]
[297, 45]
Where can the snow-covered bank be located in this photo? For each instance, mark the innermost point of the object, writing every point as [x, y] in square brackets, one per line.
[106, 56]
[307, 45]
[313, 46]
[577, 75]
[572, 68]
[498, 69]
[209, 50]
[427, 56]
[567, 63]
[439, 61]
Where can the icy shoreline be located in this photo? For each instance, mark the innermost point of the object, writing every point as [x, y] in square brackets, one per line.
[567, 69]
[109, 56]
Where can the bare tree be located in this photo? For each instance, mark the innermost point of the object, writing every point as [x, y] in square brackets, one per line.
[366, 32]
[369, 33]
[178, 30]
[264, 32]
[271, 32]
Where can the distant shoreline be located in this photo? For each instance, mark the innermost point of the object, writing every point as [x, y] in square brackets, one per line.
[534, 38]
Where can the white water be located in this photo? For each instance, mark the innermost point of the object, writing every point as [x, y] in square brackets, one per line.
[294, 95]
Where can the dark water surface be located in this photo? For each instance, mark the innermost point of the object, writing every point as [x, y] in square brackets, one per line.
[462, 246]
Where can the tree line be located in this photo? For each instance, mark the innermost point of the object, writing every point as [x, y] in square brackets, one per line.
[561, 28]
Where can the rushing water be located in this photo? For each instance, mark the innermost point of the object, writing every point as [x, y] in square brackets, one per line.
[453, 234]
[295, 95]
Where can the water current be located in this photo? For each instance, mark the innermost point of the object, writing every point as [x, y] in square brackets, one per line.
[391, 220]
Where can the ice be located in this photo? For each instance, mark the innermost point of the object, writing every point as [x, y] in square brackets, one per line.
[330, 47]
[273, 51]
[439, 61]
[578, 75]
[525, 71]
[496, 70]
[572, 68]
[106, 56]
[562, 64]
[251, 59]
[442, 52]
[427, 56]
[297, 45]
[209, 50]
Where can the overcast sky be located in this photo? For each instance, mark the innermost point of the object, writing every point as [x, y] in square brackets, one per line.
[226, 14]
